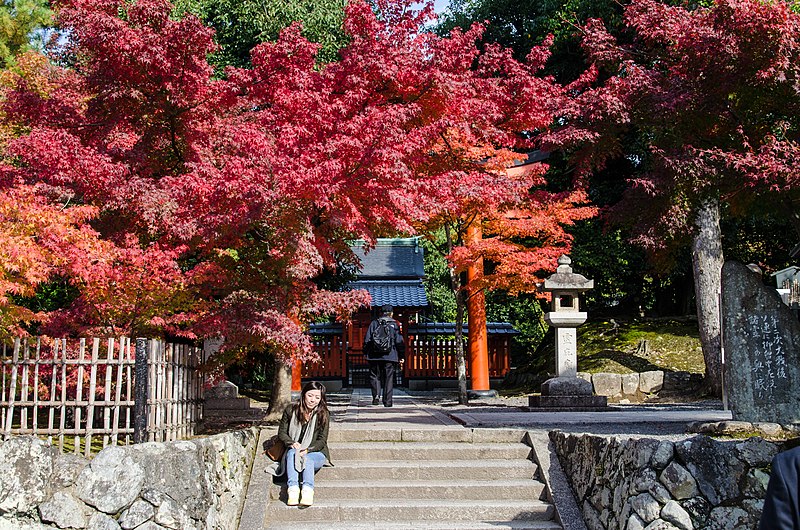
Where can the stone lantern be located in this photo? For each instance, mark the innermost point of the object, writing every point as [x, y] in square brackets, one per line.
[567, 390]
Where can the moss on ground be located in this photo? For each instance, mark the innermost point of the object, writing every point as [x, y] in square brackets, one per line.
[640, 345]
[618, 346]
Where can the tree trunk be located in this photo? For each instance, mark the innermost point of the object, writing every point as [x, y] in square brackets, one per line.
[461, 362]
[707, 263]
[461, 306]
[281, 390]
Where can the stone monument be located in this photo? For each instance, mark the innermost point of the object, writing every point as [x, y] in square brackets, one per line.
[761, 337]
[566, 390]
[222, 404]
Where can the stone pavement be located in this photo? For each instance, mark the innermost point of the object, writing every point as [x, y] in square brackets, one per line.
[416, 411]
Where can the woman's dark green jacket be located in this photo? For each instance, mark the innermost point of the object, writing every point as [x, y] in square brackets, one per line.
[319, 443]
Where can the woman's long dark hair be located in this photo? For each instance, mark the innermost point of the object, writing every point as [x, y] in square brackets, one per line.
[303, 413]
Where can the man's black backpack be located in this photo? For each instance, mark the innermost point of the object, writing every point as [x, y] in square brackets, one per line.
[382, 337]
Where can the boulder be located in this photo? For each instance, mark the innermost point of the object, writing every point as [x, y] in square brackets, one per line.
[678, 481]
[606, 384]
[64, 510]
[673, 512]
[26, 465]
[101, 521]
[651, 382]
[630, 384]
[762, 349]
[112, 481]
[715, 466]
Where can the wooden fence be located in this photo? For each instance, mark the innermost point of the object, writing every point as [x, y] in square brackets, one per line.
[81, 394]
[427, 357]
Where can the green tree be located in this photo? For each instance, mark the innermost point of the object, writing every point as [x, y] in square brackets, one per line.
[241, 24]
[21, 25]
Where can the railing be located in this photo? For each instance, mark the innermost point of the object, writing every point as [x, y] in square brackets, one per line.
[427, 356]
[82, 393]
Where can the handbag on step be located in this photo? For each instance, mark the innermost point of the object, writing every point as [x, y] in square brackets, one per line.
[275, 448]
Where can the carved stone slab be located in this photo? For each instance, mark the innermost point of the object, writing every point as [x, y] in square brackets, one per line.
[761, 336]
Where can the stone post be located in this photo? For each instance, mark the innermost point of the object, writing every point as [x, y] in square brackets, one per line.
[140, 392]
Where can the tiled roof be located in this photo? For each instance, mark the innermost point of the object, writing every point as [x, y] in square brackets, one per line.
[397, 293]
[391, 258]
[449, 328]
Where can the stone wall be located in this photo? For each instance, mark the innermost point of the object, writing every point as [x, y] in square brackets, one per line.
[696, 483]
[637, 387]
[188, 485]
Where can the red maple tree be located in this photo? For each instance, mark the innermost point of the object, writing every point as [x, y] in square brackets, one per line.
[712, 94]
[220, 200]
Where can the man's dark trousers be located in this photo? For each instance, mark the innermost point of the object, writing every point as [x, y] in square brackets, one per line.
[381, 376]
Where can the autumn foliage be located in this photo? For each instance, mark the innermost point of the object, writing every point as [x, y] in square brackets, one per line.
[711, 94]
[208, 206]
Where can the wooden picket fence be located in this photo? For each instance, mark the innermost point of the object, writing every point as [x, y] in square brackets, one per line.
[82, 394]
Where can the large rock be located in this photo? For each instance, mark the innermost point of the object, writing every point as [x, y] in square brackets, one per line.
[566, 386]
[138, 512]
[101, 521]
[606, 384]
[680, 483]
[646, 507]
[651, 382]
[715, 466]
[630, 384]
[67, 469]
[762, 348]
[162, 462]
[675, 514]
[112, 481]
[64, 510]
[26, 464]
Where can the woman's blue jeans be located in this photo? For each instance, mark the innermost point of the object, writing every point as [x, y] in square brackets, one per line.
[314, 462]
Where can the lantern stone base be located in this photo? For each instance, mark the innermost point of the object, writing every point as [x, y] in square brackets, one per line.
[568, 403]
[567, 393]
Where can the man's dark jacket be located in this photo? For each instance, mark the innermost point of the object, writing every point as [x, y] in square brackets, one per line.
[398, 348]
[781, 506]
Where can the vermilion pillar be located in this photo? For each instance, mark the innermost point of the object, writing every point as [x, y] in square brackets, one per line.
[476, 318]
[297, 367]
[297, 376]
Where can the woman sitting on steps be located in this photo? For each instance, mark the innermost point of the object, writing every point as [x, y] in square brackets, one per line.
[304, 430]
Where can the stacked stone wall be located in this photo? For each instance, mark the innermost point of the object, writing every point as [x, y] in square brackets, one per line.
[637, 484]
[188, 485]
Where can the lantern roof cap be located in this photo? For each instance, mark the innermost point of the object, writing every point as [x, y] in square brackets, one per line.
[566, 280]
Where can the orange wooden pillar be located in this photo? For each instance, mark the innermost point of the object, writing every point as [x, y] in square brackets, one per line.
[476, 319]
[297, 366]
[297, 376]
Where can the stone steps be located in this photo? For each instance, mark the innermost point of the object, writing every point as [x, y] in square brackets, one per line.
[430, 470]
[418, 525]
[416, 509]
[431, 489]
[436, 479]
[371, 451]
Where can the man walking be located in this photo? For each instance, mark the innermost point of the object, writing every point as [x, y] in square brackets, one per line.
[384, 348]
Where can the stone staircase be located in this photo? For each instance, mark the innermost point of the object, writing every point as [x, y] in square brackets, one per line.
[422, 479]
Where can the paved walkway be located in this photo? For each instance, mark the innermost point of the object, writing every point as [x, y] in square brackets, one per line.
[439, 410]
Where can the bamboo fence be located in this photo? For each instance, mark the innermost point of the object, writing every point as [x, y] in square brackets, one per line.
[79, 394]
